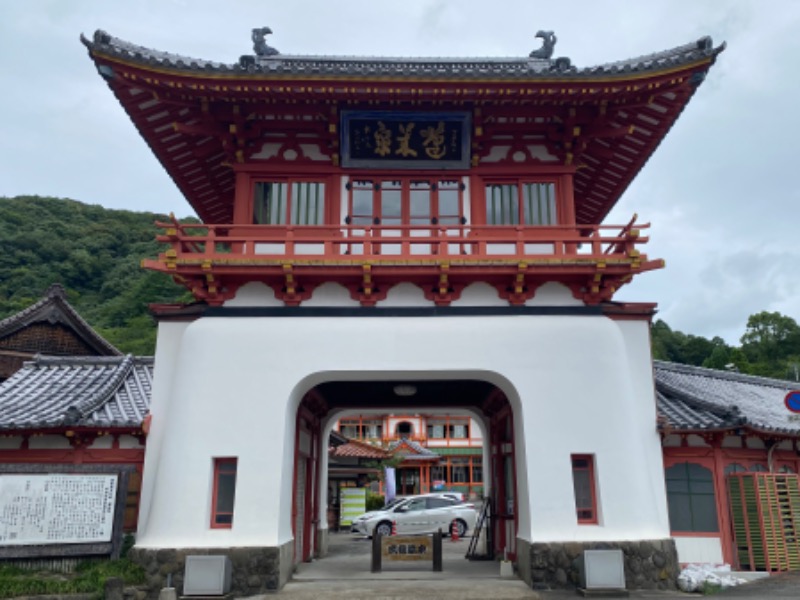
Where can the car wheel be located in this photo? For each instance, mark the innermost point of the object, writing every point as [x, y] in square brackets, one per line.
[383, 528]
[462, 528]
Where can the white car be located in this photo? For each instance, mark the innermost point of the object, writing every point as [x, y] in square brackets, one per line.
[418, 514]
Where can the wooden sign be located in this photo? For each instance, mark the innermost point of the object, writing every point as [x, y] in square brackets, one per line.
[407, 547]
[405, 140]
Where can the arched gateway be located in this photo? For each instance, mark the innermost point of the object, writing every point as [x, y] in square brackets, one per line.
[401, 220]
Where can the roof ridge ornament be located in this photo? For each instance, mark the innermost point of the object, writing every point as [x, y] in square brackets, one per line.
[549, 39]
[260, 46]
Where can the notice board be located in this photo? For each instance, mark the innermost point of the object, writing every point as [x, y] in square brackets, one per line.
[56, 509]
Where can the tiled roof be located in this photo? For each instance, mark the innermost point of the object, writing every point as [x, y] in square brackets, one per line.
[691, 397]
[411, 450]
[78, 392]
[165, 95]
[450, 451]
[358, 449]
[54, 308]
[395, 67]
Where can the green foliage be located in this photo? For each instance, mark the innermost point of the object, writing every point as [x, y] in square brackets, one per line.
[95, 254]
[89, 578]
[771, 343]
[375, 502]
[127, 543]
[711, 589]
[675, 346]
[770, 348]
[381, 465]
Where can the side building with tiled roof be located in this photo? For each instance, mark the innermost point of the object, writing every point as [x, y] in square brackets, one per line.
[720, 430]
[52, 327]
[76, 416]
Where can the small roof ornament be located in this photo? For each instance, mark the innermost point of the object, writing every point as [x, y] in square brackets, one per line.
[260, 46]
[249, 62]
[549, 40]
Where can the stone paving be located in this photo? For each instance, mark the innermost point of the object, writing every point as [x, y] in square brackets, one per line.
[345, 573]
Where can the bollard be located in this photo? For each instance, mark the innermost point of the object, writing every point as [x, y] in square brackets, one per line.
[376, 553]
[454, 531]
[437, 551]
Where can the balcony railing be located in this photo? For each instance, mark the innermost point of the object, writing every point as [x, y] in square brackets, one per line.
[213, 261]
[407, 243]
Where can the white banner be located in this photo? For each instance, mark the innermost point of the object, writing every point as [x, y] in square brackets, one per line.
[390, 486]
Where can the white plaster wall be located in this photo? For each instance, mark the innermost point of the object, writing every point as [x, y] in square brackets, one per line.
[706, 550]
[254, 293]
[406, 294]
[479, 294]
[329, 294]
[48, 442]
[129, 442]
[104, 442]
[168, 343]
[696, 441]
[553, 294]
[230, 386]
[10, 443]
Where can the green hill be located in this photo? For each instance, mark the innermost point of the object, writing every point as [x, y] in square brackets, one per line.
[94, 253]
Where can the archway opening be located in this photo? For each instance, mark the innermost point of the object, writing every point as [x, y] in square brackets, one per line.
[448, 436]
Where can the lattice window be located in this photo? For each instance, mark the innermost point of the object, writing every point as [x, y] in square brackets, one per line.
[292, 202]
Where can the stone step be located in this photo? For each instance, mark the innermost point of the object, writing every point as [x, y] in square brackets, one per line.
[403, 589]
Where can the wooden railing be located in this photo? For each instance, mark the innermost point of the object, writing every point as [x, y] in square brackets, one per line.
[402, 242]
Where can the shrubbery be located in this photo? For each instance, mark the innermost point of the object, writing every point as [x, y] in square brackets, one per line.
[88, 578]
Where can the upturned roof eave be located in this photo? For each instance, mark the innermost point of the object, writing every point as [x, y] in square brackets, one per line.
[443, 69]
[535, 79]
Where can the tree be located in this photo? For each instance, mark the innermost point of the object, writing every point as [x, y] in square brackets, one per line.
[769, 337]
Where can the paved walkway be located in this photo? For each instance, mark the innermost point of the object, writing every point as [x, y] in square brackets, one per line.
[345, 574]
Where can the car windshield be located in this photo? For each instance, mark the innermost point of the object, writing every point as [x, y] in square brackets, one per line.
[393, 503]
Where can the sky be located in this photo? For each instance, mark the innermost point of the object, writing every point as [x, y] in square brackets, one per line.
[720, 192]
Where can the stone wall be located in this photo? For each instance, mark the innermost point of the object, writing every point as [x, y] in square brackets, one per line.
[649, 564]
[254, 570]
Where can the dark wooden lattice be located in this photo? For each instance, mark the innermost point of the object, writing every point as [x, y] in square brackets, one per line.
[45, 338]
